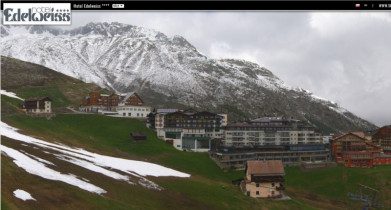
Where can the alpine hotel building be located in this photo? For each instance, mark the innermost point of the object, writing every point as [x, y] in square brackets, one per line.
[353, 150]
[129, 105]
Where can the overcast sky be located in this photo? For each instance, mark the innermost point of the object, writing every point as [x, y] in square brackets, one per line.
[342, 56]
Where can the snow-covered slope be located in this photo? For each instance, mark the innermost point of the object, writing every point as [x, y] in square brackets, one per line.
[125, 58]
[117, 56]
[132, 172]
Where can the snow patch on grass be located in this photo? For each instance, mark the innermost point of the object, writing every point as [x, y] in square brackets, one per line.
[23, 195]
[10, 94]
[94, 162]
[37, 168]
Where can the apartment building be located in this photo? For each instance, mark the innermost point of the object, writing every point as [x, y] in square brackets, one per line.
[187, 130]
[270, 131]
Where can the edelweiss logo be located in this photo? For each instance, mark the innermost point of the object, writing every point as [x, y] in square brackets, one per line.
[37, 14]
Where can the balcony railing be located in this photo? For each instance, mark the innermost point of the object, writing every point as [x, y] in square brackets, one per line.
[280, 188]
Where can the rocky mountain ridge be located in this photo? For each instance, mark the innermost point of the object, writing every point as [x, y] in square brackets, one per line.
[166, 69]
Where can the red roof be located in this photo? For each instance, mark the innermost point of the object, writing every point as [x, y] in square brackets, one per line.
[356, 133]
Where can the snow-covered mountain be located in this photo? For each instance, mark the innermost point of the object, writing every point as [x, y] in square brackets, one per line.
[126, 58]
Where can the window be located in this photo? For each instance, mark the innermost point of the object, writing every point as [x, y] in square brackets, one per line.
[257, 192]
[272, 184]
[257, 185]
[124, 114]
[129, 114]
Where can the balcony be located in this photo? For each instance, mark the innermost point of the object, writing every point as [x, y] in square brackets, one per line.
[280, 188]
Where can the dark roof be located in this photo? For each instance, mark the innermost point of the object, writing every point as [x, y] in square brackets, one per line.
[265, 167]
[273, 119]
[138, 134]
[166, 110]
[187, 113]
[38, 99]
[245, 124]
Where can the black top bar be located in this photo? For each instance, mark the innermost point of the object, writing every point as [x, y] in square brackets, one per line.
[220, 5]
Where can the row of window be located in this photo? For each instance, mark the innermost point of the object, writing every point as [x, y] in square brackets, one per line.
[132, 109]
[130, 114]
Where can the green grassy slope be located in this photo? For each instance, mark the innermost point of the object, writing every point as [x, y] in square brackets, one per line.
[334, 183]
[208, 188]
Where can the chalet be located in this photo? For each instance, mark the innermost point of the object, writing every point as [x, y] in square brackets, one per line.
[96, 101]
[38, 105]
[353, 150]
[382, 138]
[264, 179]
[123, 105]
[131, 105]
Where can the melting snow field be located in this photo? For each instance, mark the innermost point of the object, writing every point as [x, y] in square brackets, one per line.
[10, 94]
[134, 170]
[21, 194]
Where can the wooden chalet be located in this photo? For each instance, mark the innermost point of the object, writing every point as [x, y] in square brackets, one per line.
[382, 138]
[95, 101]
[138, 136]
[132, 99]
[38, 105]
[264, 178]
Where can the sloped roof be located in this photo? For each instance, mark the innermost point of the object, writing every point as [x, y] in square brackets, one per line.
[265, 167]
[356, 133]
[38, 99]
[130, 94]
[166, 110]
[273, 119]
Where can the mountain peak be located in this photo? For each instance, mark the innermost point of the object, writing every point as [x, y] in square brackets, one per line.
[125, 58]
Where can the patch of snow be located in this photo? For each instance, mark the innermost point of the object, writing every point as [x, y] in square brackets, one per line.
[10, 94]
[37, 168]
[140, 167]
[92, 167]
[96, 162]
[23, 195]
[339, 110]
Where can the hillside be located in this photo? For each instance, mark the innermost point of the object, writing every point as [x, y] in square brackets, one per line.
[169, 71]
[32, 80]
[110, 136]
[207, 188]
